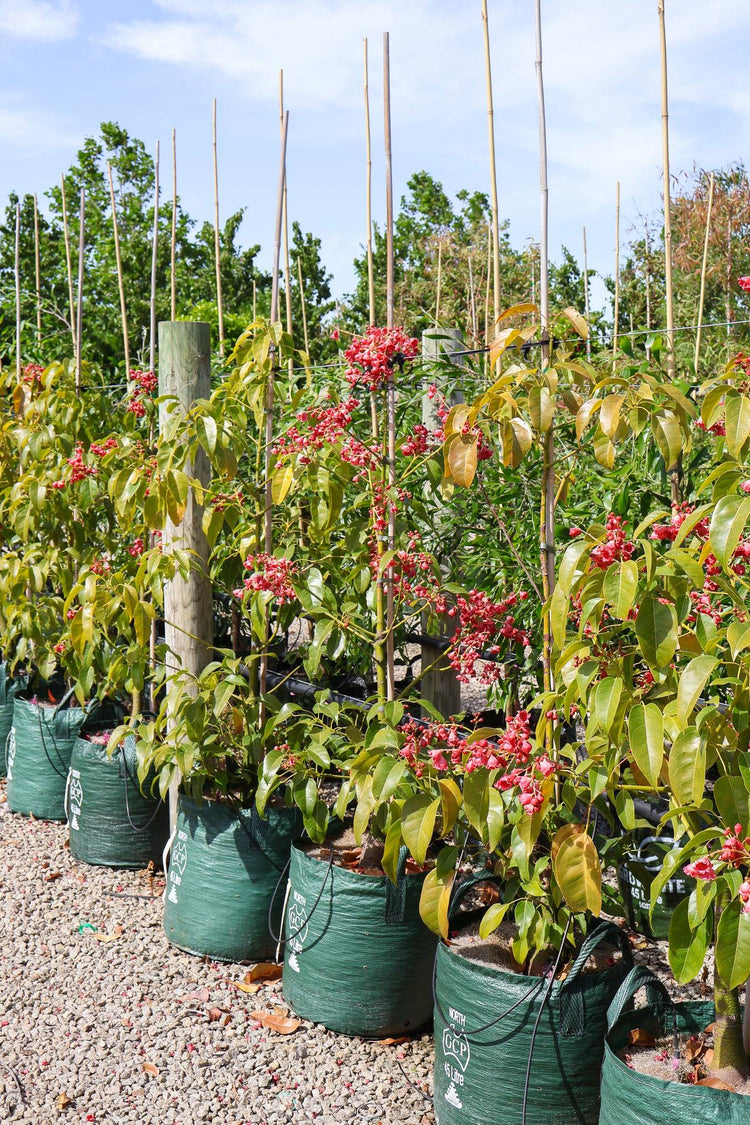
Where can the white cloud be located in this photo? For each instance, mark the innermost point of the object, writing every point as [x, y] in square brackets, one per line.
[44, 20]
[33, 131]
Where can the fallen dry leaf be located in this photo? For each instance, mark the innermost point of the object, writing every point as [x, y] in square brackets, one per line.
[63, 1101]
[215, 1014]
[640, 1038]
[263, 971]
[201, 994]
[716, 1084]
[394, 1042]
[114, 936]
[52, 876]
[248, 989]
[710, 1029]
[275, 1021]
[150, 1068]
[693, 1049]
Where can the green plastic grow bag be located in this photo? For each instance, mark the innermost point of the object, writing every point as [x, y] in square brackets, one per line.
[9, 688]
[110, 821]
[224, 866]
[636, 873]
[485, 1020]
[358, 957]
[40, 745]
[629, 1098]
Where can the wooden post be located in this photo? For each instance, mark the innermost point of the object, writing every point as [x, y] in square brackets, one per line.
[185, 374]
[37, 274]
[667, 194]
[439, 685]
[17, 277]
[616, 332]
[173, 246]
[154, 254]
[493, 170]
[120, 279]
[68, 264]
[217, 241]
[79, 294]
[586, 294]
[704, 265]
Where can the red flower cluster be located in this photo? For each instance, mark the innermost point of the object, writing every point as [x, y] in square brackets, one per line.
[372, 357]
[136, 548]
[32, 373]
[480, 620]
[270, 574]
[701, 869]
[680, 512]
[734, 850]
[101, 449]
[744, 283]
[79, 471]
[222, 499]
[718, 428]
[145, 383]
[100, 566]
[615, 547]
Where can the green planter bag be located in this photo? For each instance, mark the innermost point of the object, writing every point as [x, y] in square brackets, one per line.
[636, 873]
[492, 1027]
[629, 1098]
[9, 689]
[110, 821]
[40, 745]
[358, 957]
[224, 866]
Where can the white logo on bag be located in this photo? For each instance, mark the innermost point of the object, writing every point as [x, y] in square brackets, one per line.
[11, 754]
[297, 922]
[75, 798]
[178, 860]
[452, 1097]
[455, 1048]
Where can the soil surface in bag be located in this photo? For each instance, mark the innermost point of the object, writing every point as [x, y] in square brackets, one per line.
[655, 1057]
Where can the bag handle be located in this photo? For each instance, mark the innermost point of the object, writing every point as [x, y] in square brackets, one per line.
[571, 1004]
[460, 892]
[640, 977]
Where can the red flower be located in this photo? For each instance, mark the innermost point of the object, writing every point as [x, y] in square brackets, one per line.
[744, 283]
[701, 869]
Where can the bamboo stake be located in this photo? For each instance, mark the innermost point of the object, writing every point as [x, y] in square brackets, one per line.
[370, 266]
[586, 294]
[648, 286]
[704, 265]
[302, 300]
[616, 332]
[493, 166]
[473, 304]
[17, 277]
[487, 290]
[390, 385]
[439, 283]
[173, 240]
[255, 300]
[37, 274]
[68, 264]
[547, 514]
[279, 213]
[79, 309]
[217, 241]
[667, 199]
[287, 266]
[120, 279]
[154, 254]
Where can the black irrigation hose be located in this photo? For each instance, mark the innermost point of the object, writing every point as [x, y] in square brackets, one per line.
[545, 998]
[152, 818]
[278, 938]
[476, 1031]
[64, 775]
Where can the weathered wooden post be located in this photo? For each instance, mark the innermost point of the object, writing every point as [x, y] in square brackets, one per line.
[185, 374]
[439, 685]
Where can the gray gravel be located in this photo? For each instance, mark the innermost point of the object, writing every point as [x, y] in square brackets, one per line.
[108, 1032]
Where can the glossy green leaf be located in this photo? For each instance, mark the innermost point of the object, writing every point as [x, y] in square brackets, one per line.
[646, 731]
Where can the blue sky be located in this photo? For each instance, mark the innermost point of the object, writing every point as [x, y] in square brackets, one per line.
[155, 64]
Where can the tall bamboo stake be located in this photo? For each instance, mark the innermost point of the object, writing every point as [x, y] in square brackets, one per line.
[615, 335]
[287, 266]
[17, 278]
[586, 294]
[68, 264]
[217, 240]
[255, 299]
[120, 278]
[390, 386]
[704, 265]
[37, 274]
[302, 300]
[173, 240]
[154, 256]
[370, 267]
[472, 304]
[493, 166]
[439, 283]
[547, 514]
[487, 289]
[667, 198]
[648, 286]
[79, 309]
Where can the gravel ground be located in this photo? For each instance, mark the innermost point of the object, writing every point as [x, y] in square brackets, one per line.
[133, 1030]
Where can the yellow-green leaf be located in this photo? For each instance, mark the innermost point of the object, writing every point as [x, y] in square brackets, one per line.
[578, 873]
[692, 681]
[687, 767]
[646, 731]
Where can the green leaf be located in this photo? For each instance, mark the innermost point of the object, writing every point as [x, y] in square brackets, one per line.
[492, 918]
[687, 946]
[656, 629]
[692, 682]
[646, 730]
[737, 420]
[605, 699]
[559, 612]
[476, 799]
[418, 824]
[732, 802]
[434, 901]
[733, 946]
[676, 858]
[620, 586]
[666, 430]
[222, 694]
[389, 773]
[281, 480]
[687, 767]
[727, 524]
[541, 408]
[461, 458]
